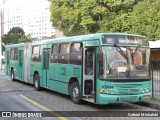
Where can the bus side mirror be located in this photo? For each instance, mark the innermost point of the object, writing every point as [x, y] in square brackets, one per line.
[100, 57]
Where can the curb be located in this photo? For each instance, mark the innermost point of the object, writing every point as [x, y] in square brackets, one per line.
[152, 104]
[155, 104]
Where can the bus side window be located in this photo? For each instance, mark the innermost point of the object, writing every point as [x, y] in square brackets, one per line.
[88, 62]
[76, 53]
[64, 53]
[40, 53]
[12, 53]
[54, 54]
[16, 54]
[36, 53]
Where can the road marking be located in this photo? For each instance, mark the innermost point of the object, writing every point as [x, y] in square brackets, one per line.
[43, 107]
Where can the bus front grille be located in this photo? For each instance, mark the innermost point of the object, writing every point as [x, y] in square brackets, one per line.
[128, 91]
[128, 98]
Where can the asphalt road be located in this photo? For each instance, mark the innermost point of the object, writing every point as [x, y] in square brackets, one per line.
[19, 96]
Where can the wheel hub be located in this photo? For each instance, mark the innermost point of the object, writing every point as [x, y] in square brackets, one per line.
[75, 93]
[36, 83]
[12, 76]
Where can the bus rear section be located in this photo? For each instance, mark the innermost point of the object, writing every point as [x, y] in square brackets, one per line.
[17, 63]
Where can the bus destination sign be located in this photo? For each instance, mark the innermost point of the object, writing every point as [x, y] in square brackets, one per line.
[124, 39]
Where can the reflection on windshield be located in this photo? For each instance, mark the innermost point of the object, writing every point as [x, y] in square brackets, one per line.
[116, 65]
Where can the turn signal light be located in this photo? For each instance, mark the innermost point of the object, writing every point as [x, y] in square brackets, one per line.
[101, 91]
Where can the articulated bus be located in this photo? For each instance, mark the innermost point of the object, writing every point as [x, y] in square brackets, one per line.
[101, 68]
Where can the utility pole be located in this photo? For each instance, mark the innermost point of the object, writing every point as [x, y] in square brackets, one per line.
[0, 40]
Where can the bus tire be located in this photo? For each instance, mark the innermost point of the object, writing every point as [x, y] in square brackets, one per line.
[37, 82]
[75, 93]
[12, 75]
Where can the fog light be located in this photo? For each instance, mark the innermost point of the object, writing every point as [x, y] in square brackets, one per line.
[107, 91]
[143, 91]
[101, 91]
[146, 97]
[112, 91]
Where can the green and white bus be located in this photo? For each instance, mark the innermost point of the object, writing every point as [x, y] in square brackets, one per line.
[100, 68]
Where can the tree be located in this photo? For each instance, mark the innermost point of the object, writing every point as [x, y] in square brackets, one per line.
[15, 35]
[75, 17]
[145, 19]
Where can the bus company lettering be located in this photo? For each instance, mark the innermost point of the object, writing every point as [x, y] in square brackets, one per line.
[143, 114]
[34, 115]
[107, 87]
[27, 114]
[63, 71]
[141, 75]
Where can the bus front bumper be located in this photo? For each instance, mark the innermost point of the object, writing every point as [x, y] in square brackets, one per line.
[107, 99]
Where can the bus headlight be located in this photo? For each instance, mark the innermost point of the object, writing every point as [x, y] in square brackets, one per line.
[147, 90]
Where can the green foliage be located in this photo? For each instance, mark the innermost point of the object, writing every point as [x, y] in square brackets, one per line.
[15, 35]
[145, 19]
[86, 16]
[75, 17]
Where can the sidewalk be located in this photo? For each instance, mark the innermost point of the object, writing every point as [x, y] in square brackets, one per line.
[2, 72]
[155, 104]
[3, 76]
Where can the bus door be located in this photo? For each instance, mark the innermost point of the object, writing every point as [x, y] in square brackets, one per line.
[7, 63]
[21, 69]
[46, 55]
[88, 73]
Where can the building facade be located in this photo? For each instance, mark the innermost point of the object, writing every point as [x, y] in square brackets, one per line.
[31, 15]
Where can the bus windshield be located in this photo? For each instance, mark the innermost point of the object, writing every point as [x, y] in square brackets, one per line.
[124, 63]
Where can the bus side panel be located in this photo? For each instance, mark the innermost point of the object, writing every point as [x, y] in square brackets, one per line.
[27, 61]
[54, 82]
[15, 65]
[35, 67]
[7, 66]
[21, 61]
[52, 77]
[59, 76]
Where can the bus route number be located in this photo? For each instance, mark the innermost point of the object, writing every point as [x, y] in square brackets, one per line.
[107, 87]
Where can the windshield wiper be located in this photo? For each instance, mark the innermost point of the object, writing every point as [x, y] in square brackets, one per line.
[121, 51]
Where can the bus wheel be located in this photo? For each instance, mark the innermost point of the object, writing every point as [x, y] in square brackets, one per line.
[12, 75]
[37, 82]
[75, 93]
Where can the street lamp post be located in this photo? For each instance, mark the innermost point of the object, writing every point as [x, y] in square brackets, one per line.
[0, 44]
[1, 34]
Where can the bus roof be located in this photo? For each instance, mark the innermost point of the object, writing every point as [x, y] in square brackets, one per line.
[73, 38]
[82, 38]
[15, 45]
